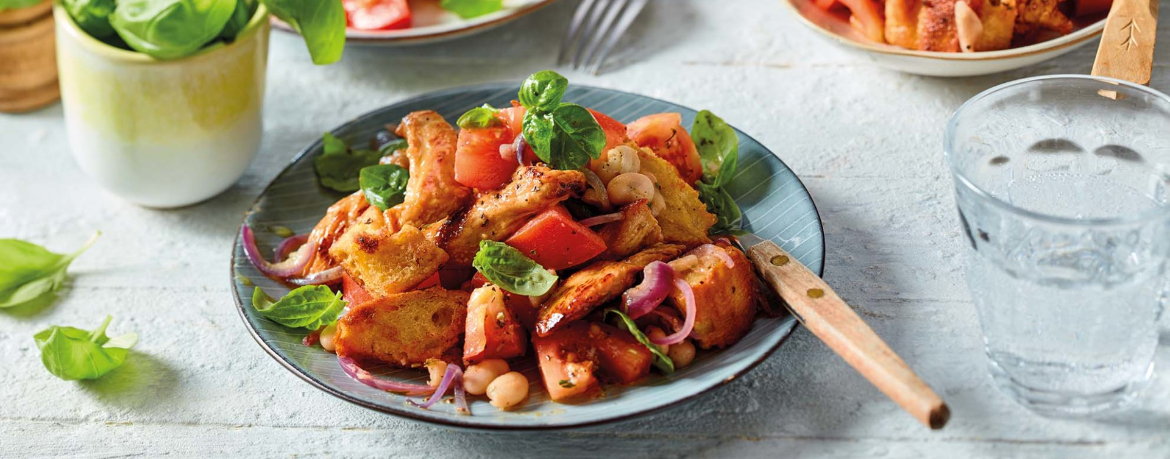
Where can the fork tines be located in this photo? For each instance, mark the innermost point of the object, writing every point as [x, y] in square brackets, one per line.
[597, 25]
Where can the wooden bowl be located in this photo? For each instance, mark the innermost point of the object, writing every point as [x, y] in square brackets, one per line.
[28, 80]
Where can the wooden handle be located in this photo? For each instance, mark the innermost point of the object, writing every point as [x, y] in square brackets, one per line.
[1127, 46]
[835, 323]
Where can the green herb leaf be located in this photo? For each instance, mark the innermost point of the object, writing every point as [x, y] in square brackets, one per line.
[511, 270]
[321, 22]
[567, 138]
[542, 92]
[311, 307]
[29, 272]
[72, 353]
[240, 18]
[661, 360]
[720, 203]
[340, 168]
[468, 9]
[479, 117]
[389, 148]
[170, 29]
[384, 185]
[566, 384]
[718, 148]
[92, 16]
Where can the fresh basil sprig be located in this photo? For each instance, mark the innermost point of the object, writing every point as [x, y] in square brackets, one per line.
[340, 168]
[661, 360]
[93, 16]
[72, 353]
[311, 307]
[321, 22]
[29, 273]
[468, 9]
[508, 268]
[170, 29]
[240, 18]
[718, 147]
[384, 185]
[566, 136]
[479, 117]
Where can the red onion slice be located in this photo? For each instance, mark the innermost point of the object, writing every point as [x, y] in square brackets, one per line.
[460, 394]
[327, 276]
[286, 246]
[290, 267]
[521, 146]
[453, 373]
[602, 219]
[654, 288]
[689, 323]
[354, 371]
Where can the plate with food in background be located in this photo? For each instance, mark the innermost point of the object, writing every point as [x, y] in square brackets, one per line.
[403, 22]
[531, 256]
[955, 37]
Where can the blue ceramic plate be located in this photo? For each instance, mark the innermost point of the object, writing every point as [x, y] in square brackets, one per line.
[775, 205]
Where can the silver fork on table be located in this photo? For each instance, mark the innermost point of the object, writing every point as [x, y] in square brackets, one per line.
[597, 25]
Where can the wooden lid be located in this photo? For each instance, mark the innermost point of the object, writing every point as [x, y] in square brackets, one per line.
[27, 101]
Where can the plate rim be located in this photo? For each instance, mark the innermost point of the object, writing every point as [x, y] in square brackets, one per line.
[458, 422]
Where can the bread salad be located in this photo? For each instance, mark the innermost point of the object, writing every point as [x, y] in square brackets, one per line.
[544, 230]
[397, 14]
[966, 25]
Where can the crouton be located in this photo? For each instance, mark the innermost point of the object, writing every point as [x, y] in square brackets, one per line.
[637, 229]
[724, 298]
[384, 264]
[404, 329]
[685, 219]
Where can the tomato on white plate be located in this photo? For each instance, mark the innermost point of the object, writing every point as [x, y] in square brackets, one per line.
[377, 14]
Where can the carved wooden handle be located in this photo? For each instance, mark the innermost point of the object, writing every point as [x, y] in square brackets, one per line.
[835, 323]
[1127, 46]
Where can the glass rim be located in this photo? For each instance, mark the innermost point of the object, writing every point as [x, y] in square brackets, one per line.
[948, 139]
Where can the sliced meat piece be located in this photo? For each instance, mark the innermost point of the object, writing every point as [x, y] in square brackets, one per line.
[382, 263]
[725, 298]
[637, 229]
[496, 215]
[404, 329]
[936, 26]
[432, 192]
[685, 219]
[337, 219]
[595, 285]
[1041, 14]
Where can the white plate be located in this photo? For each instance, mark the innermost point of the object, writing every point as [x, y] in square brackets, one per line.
[836, 27]
[434, 24]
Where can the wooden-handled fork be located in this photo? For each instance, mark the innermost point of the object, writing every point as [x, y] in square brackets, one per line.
[828, 317]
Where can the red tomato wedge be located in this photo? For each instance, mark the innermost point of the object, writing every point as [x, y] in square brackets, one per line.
[492, 331]
[567, 371]
[570, 357]
[513, 117]
[352, 293]
[867, 18]
[615, 132]
[555, 241]
[663, 133]
[377, 14]
[478, 163]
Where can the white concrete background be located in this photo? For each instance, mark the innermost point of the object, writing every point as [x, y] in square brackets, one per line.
[866, 141]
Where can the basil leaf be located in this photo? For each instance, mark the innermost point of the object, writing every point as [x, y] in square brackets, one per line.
[311, 307]
[339, 168]
[720, 203]
[538, 133]
[170, 29]
[72, 353]
[567, 138]
[92, 16]
[479, 117]
[661, 360]
[239, 20]
[384, 185]
[506, 267]
[542, 92]
[30, 273]
[468, 9]
[321, 22]
[718, 147]
[389, 148]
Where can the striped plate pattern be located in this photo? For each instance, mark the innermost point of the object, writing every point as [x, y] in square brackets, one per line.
[775, 204]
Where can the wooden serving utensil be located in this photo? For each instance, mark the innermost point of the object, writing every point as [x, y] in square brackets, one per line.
[828, 317]
[1126, 51]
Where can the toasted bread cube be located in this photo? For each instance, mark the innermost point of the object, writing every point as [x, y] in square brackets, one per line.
[404, 329]
[636, 230]
[724, 298]
[385, 264]
[685, 219]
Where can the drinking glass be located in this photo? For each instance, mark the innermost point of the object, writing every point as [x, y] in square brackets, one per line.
[1063, 189]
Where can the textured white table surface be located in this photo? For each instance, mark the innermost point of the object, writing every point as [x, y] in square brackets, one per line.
[866, 141]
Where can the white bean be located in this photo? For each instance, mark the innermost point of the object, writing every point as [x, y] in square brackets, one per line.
[630, 187]
[508, 390]
[478, 377]
[327, 338]
[436, 369]
[682, 353]
[658, 204]
[656, 333]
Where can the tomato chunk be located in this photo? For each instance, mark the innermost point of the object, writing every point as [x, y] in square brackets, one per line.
[572, 358]
[377, 14]
[492, 331]
[478, 163]
[352, 293]
[615, 132]
[866, 18]
[555, 241]
[663, 133]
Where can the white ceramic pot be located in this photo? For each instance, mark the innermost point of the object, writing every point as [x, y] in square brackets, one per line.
[163, 133]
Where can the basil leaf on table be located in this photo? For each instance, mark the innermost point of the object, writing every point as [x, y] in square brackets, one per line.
[320, 22]
[340, 168]
[239, 19]
[311, 307]
[30, 273]
[92, 16]
[170, 29]
[384, 185]
[468, 9]
[72, 353]
[542, 92]
[718, 147]
[720, 203]
[509, 269]
[661, 360]
[479, 117]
